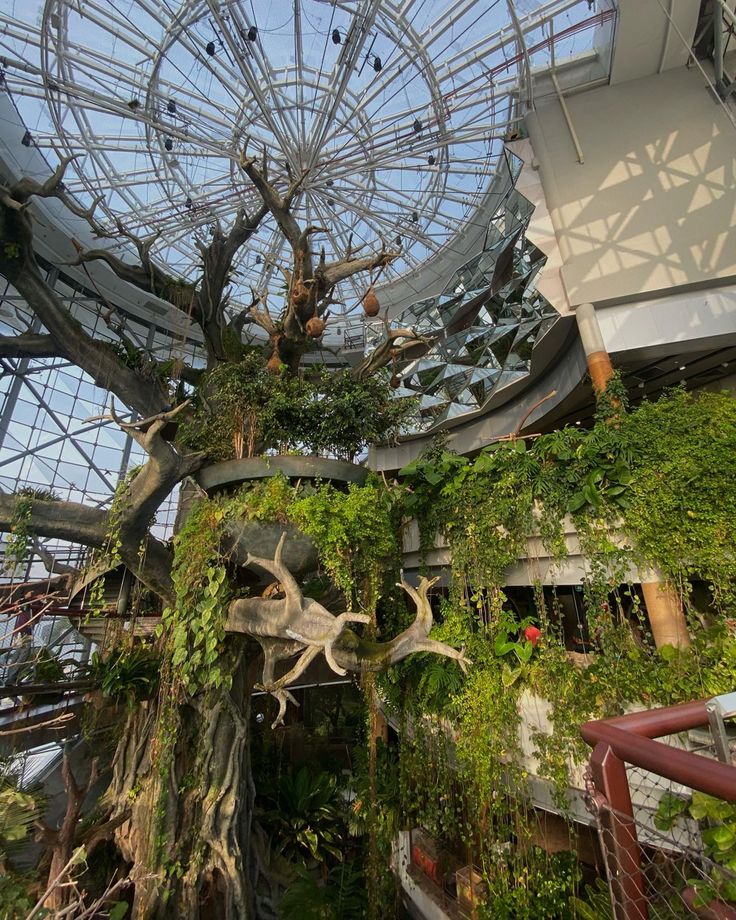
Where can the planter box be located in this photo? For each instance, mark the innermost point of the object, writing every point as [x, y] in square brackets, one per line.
[427, 856]
[471, 889]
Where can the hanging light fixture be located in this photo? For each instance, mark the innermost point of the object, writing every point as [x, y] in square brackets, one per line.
[431, 159]
[252, 34]
[377, 65]
[171, 107]
[417, 126]
[398, 241]
[26, 140]
[415, 216]
[258, 259]
[336, 39]
[189, 203]
[210, 48]
[169, 143]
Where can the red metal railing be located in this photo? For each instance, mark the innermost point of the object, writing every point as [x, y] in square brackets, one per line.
[631, 739]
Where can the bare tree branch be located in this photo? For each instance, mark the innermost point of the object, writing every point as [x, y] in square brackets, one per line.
[30, 345]
[297, 625]
[398, 345]
[18, 264]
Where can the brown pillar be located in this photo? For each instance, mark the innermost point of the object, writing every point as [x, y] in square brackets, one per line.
[664, 608]
[379, 726]
[599, 362]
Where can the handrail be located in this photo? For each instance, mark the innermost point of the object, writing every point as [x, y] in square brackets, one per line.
[631, 738]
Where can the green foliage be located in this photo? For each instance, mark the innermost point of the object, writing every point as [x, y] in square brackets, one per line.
[127, 674]
[109, 555]
[355, 533]
[16, 902]
[195, 626]
[542, 887]
[241, 409]
[132, 357]
[338, 895]
[663, 475]
[346, 414]
[380, 805]
[683, 492]
[302, 813]
[595, 903]
[718, 832]
[21, 534]
[19, 810]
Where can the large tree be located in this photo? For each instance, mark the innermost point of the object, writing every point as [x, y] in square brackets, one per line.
[146, 810]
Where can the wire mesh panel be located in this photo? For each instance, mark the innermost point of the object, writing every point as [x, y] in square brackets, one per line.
[669, 845]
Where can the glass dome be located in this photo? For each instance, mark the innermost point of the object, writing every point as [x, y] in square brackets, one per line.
[393, 113]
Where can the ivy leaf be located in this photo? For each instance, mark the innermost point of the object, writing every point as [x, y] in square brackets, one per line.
[577, 501]
[721, 837]
[669, 809]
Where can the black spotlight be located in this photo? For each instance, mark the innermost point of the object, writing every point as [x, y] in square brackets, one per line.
[210, 48]
[336, 40]
[431, 159]
[415, 216]
[258, 259]
[189, 203]
[171, 107]
[398, 241]
[169, 143]
[417, 125]
[377, 65]
[26, 140]
[252, 34]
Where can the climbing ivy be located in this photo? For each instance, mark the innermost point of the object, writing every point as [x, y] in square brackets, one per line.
[653, 486]
[21, 533]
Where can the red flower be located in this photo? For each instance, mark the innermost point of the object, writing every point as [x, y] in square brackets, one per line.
[533, 634]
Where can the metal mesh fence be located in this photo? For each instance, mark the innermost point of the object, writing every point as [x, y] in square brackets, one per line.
[673, 854]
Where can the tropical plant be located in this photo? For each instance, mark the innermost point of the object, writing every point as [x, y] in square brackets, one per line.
[303, 815]
[338, 895]
[19, 810]
[126, 673]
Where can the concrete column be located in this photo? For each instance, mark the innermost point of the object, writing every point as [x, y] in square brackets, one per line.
[664, 608]
[599, 362]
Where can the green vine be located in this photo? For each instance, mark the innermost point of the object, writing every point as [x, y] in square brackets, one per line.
[653, 487]
[21, 533]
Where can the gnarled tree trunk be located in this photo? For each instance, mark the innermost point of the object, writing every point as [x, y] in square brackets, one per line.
[188, 833]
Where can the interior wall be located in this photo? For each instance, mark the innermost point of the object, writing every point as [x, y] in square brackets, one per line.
[652, 207]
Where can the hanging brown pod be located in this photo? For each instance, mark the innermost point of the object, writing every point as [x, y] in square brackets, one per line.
[274, 363]
[315, 327]
[395, 382]
[371, 306]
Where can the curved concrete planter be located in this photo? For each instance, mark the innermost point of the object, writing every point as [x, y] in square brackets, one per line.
[230, 473]
[261, 538]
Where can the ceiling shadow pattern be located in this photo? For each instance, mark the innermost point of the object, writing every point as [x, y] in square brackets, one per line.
[479, 333]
